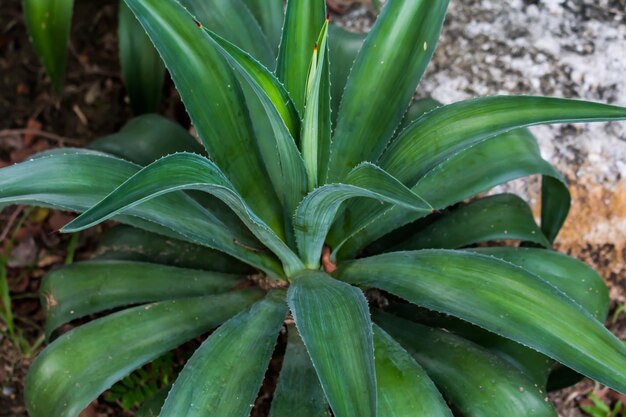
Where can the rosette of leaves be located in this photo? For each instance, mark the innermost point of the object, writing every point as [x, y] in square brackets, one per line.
[290, 214]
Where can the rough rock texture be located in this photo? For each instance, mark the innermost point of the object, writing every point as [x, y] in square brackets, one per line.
[561, 48]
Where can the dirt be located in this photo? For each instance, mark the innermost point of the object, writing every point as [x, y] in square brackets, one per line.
[564, 48]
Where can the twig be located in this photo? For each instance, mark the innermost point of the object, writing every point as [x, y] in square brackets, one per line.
[10, 223]
[36, 132]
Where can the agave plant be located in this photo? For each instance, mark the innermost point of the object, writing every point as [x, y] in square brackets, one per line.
[291, 214]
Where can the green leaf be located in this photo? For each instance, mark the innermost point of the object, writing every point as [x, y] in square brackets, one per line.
[124, 243]
[395, 54]
[48, 23]
[298, 392]
[222, 122]
[317, 211]
[334, 321]
[575, 278]
[152, 407]
[232, 19]
[84, 288]
[315, 136]
[81, 364]
[343, 48]
[450, 129]
[267, 82]
[76, 180]
[404, 388]
[498, 217]
[416, 110]
[184, 171]
[476, 382]
[147, 138]
[303, 22]
[477, 169]
[502, 298]
[224, 375]
[279, 151]
[270, 15]
[142, 69]
[555, 205]
[533, 364]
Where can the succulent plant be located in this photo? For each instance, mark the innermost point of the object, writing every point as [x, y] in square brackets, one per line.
[295, 219]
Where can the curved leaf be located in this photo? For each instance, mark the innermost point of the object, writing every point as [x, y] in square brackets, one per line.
[147, 138]
[84, 288]
[315, 136]
[533, 364]
[298, 392]
[395, 54]
[343, 47]
[279, 152]
[142, 68]
[334, 321]
[303, 22]
[81, 364]
[255, 72]
[222, 122]
[499, 217]
[449, 129]
[317, 211]
[472, 287]
[477, 169]
[233, 20]
[476, 382]
[270, 15]
[124, 243]
[575, 278]
[224, 375]
[48, 23]
[578, 281]
[78, 179]
[183, 171]
[404, 388]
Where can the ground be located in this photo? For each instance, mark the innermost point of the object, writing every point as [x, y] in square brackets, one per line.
[565, 48]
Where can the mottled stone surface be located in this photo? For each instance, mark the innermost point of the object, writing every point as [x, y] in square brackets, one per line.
[561, 48]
